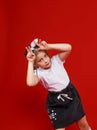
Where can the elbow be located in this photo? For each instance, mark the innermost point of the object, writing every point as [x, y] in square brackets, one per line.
[30, 84]
[69, 47]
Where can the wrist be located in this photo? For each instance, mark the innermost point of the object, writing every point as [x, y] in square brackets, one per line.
[49, 46]
[31, 62]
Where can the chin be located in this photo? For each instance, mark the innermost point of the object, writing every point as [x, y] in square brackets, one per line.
[47, 67]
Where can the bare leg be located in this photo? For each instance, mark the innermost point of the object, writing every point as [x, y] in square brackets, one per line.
[83, 124]
[60, 129]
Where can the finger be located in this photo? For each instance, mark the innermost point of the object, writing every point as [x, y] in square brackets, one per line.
[38, 44]
[30, 50]
[43, 44]
[29, 59]
[39, 41]
[29, 56]
[27, 49]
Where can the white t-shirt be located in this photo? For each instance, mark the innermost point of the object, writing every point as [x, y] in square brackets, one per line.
[55, 78]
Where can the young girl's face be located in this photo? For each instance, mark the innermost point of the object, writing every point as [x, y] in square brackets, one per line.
[43, 60]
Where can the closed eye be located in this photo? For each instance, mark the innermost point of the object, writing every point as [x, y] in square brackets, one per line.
[45, 55]
[40, 60]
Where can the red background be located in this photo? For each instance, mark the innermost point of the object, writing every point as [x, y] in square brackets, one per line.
[21, 107]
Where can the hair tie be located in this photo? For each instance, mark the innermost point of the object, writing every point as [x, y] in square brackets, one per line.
[33, 44]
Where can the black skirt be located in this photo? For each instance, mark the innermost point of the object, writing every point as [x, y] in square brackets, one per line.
[65, 107]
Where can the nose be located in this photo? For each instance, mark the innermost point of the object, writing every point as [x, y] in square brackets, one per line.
[45, 60]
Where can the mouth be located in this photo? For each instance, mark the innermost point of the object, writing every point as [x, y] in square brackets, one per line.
[47, 65]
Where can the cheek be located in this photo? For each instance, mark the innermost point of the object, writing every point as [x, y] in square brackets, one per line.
[49, 59]
[39, 64]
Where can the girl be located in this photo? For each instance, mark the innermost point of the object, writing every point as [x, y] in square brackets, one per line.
[63, 103]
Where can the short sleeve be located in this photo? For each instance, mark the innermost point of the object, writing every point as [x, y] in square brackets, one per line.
[57, 58]
[35, 71]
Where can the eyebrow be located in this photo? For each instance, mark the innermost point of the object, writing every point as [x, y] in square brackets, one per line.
[42, 58]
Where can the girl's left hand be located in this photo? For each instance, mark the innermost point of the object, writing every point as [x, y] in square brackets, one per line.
[42, 45]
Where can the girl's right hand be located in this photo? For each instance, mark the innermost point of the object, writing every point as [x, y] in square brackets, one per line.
[30, 55]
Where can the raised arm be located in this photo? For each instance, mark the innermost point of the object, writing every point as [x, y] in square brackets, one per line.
[31, 79]
[63, 48]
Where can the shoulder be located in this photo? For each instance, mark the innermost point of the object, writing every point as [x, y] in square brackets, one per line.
[57, 59]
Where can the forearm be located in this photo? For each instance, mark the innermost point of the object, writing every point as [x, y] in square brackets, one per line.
[60, 46]
[31, 78]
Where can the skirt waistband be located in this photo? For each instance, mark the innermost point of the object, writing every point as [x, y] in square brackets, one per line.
[68, 88]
